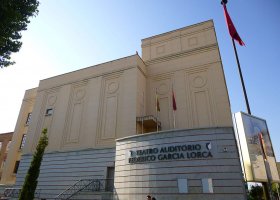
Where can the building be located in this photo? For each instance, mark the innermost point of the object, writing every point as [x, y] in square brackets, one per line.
[18, 140]
[99, 121]
[5, 141]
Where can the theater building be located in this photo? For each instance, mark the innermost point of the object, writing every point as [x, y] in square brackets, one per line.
[108, 141]
[18, 138]
[5, 141]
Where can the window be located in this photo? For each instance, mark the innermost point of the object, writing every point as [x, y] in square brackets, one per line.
[22, 141]
[3, 164]
[16, 167]
[28, 119]
[183, 185]
[8, 146]
[49, 112]
[207, 185]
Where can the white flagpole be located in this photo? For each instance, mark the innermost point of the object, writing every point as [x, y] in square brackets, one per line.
[157, 121]
[157, 108]
[174, 121]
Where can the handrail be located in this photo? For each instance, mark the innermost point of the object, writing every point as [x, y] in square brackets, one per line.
[93, 185]
[15, 192]
[96, 185]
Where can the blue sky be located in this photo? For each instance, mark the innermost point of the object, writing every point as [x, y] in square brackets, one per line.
[68, 35]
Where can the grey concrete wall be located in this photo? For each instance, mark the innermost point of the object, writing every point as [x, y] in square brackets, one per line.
[159, 178]
[59, 170]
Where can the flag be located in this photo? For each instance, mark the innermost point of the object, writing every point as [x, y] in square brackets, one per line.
[232, 31]
[173, 101]
[157, 103]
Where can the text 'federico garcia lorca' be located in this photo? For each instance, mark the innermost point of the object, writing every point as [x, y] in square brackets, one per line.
[175, 152]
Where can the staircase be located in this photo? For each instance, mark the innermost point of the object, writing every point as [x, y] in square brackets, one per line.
[94, 189]
[2, 190]
[88, 187]
[10, 193]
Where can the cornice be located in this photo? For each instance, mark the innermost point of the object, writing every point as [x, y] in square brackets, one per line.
[180, 35]
[85, 79]
[181, 29]
[182, 54]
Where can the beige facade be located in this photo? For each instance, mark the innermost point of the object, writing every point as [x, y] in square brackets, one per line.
[278, 167]
[86, 111]
[5, 141]
[18, 139]
[92, 107]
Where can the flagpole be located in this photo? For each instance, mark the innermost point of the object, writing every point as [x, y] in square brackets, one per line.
[157, 121]
[174, 122]
[234, 35]
[266, 164]
[157, 108]
[143, 106]
[267, 186]
[241, 77]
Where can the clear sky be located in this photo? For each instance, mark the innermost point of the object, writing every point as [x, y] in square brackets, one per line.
[68, 35]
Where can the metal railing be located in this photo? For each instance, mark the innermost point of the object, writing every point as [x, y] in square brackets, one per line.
[15, 192]
[92, 185]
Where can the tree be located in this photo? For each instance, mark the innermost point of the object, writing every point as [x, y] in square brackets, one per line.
[30, 182]
[275, 190]
[14, 17]
[256, 193]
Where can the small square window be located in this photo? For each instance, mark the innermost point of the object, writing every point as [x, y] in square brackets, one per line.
[49, 112]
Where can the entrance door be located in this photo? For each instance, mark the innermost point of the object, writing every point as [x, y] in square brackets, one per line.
[110, 178]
